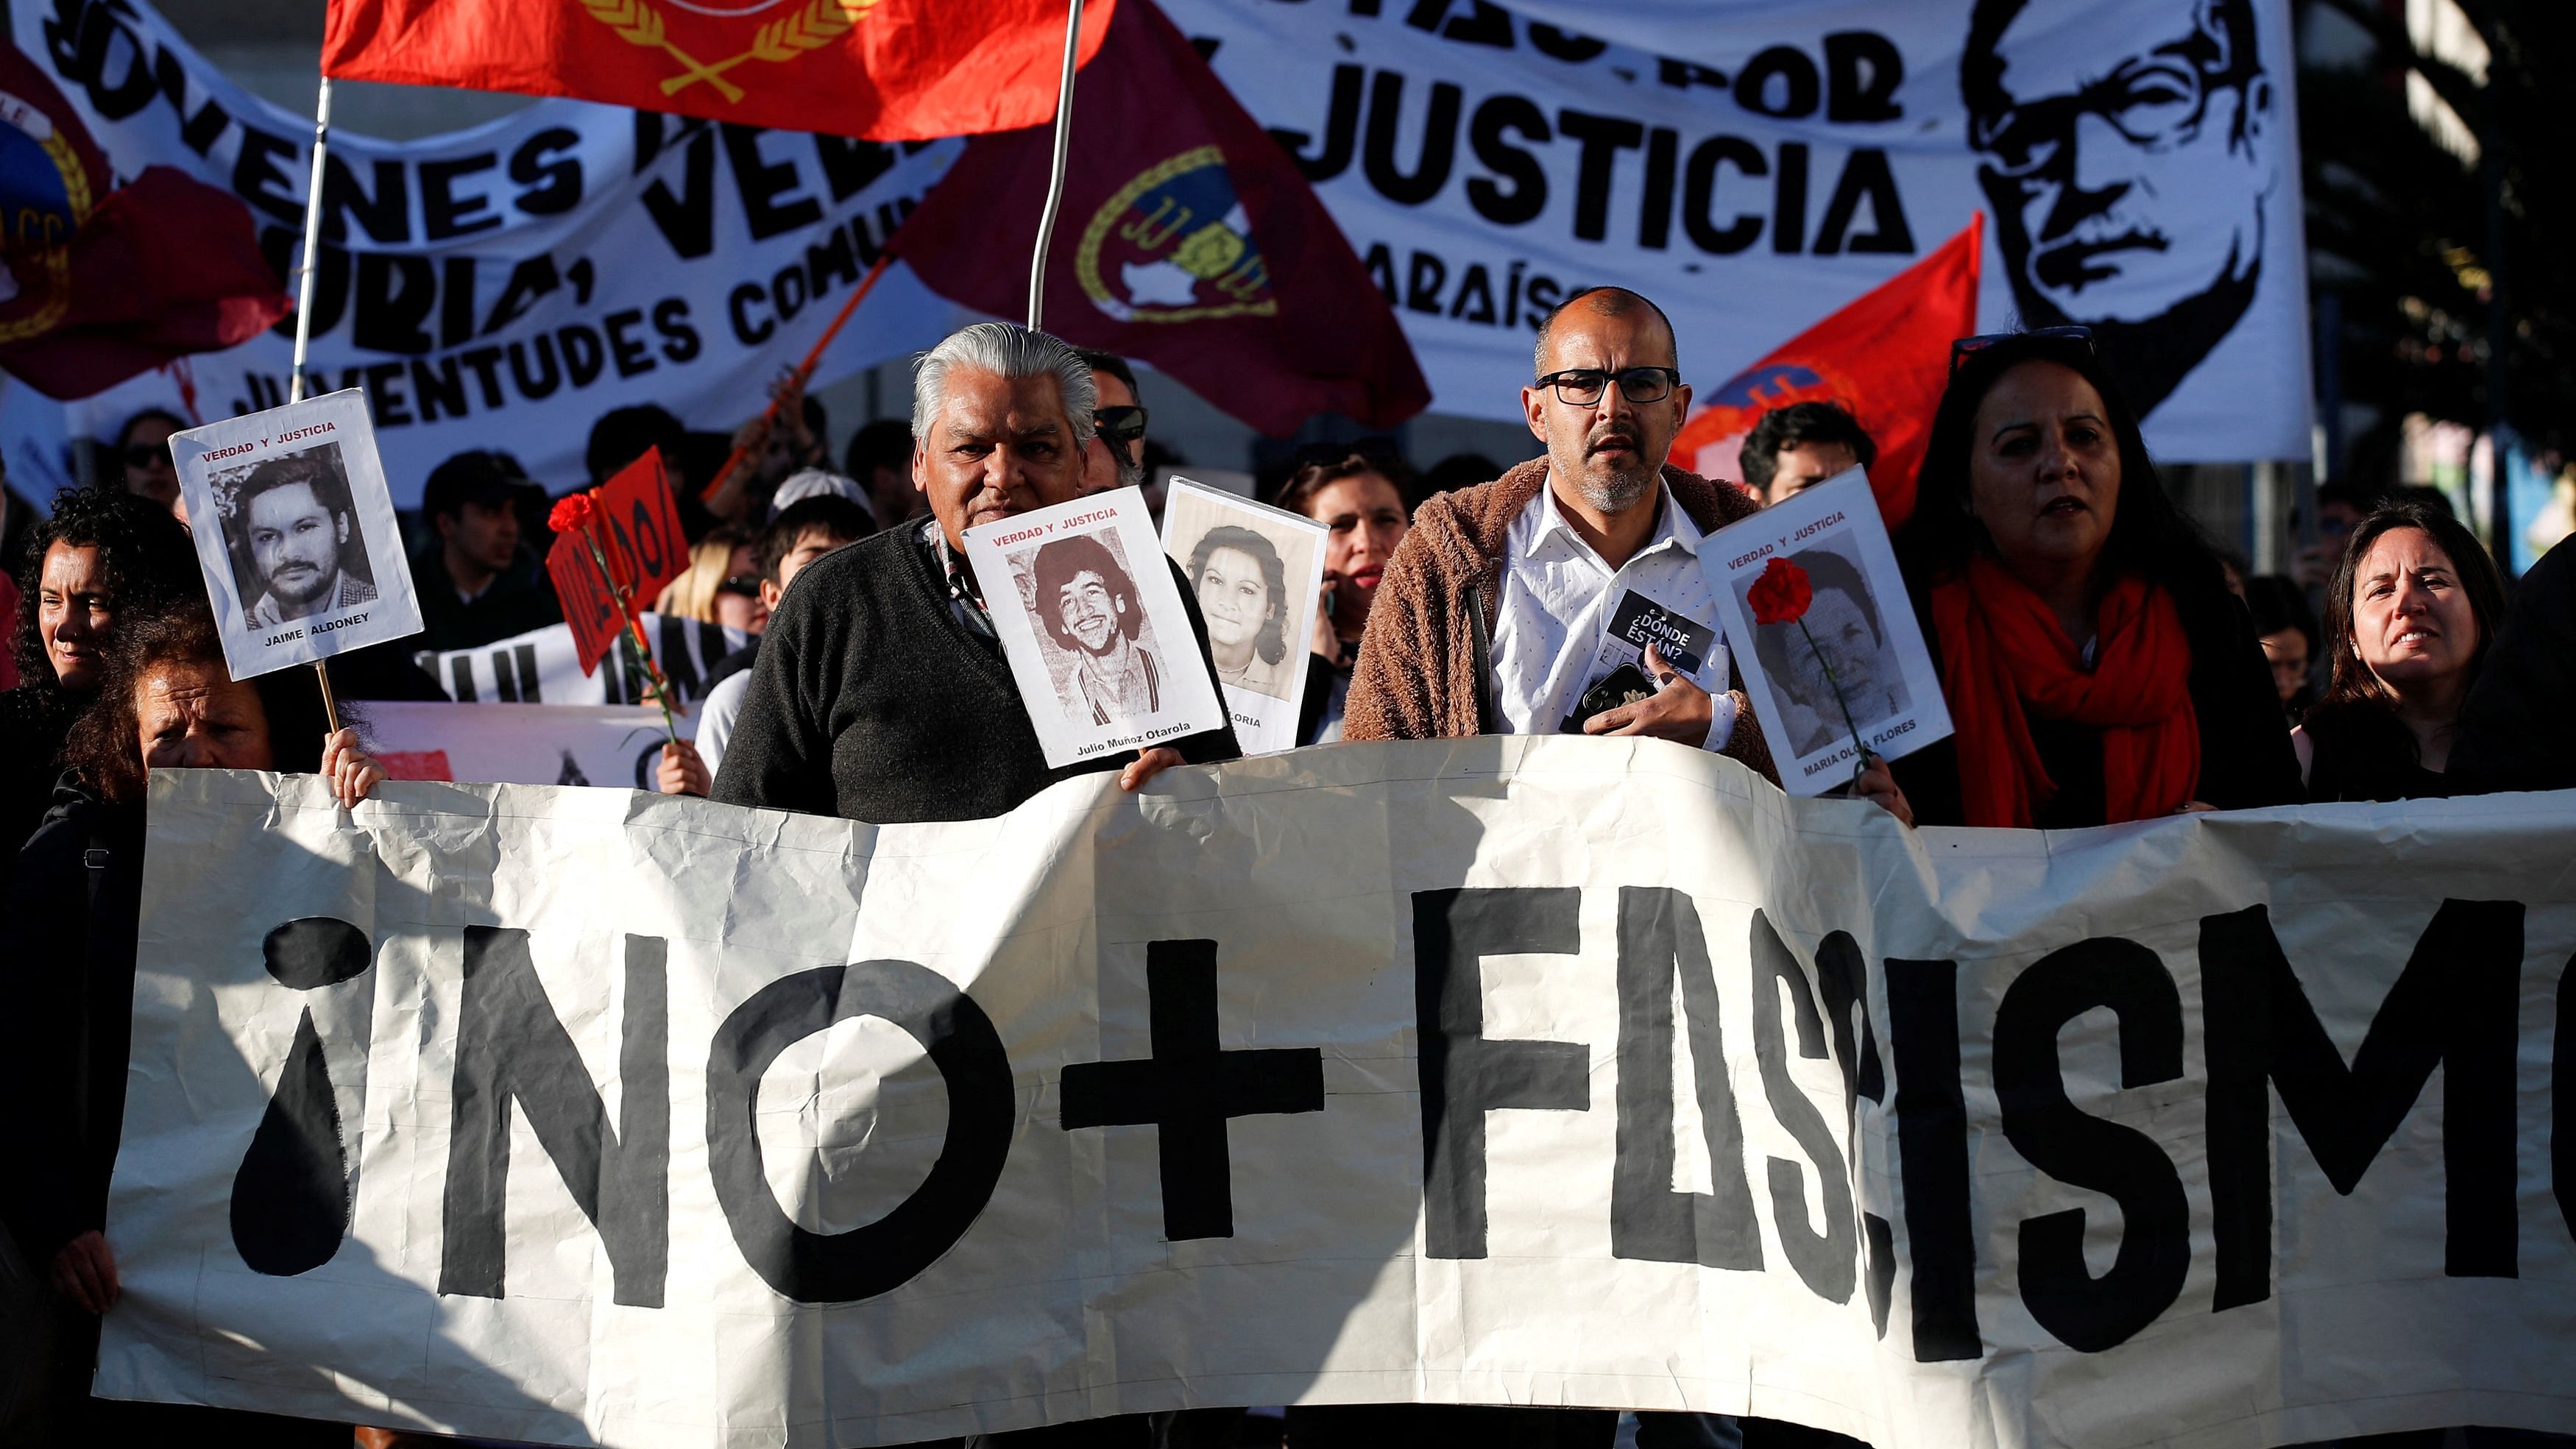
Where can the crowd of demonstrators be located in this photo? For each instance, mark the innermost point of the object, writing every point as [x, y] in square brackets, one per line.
[1794, 448]
[1365, 515]
[806, 530]
[2095, 665]
[164, 700]
[2410, 614]
[479, 581]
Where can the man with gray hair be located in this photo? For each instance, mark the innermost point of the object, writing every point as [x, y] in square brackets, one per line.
[881, 693]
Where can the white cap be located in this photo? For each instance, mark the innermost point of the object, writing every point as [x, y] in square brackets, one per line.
[813, 482]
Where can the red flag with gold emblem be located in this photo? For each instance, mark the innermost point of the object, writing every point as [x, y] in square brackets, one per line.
[885, 70]
[1884, 358]
[1188, 239]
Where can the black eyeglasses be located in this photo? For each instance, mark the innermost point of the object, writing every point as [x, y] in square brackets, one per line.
[1582, 386]
[1967, 347]
[144, 455]
[1119, 424]
[747, 585]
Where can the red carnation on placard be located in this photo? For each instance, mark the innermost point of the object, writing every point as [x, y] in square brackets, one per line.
[571, 513]
[1781, 595]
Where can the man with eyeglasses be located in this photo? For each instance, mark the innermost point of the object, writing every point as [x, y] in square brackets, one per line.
[1115, 457]
[1519, 606]
[2130, 174]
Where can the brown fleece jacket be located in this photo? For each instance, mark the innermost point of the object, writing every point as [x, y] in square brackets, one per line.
[1416, 678]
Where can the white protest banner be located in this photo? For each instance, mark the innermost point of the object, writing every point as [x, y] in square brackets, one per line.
[1753, 168]
[1258, 572]
[504, 286]
[1527, 1070]
[1838, 661]
[615, 746]
[1099, 641]
[295, 533]
[543, 666]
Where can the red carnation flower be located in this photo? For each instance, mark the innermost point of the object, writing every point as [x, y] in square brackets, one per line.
[1781, 595]
[571, 513]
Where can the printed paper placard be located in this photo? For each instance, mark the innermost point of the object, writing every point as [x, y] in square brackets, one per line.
[1094, 627]
[1850, 663]
[1258, 573]
[295, 532]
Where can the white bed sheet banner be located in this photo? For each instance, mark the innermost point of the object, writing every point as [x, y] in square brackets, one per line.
[1755, 167]
[501, 286]
[1406, 1017]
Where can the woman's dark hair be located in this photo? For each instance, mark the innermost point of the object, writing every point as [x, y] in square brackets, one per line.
[2355, 700]
[2278, 603]
[1058, 563]
[1321, 465]
[105, 746]
[148, 415]
[144, 557]
[2149, 536]
[1272, 642]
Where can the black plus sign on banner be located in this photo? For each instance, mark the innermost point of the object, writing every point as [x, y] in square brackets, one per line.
[1189, 1088]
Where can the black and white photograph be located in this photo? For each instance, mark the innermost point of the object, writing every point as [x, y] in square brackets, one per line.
[295, 532]
[1100, 644]
[1837, 669]
[1256, 573]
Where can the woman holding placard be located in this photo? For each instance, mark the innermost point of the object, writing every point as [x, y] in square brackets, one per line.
[2096, 668]
[2409, 616]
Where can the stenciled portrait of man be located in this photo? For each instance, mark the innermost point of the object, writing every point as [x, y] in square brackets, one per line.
[296, 547]
[2131, 180]
[1085, 601]
[1849, 652]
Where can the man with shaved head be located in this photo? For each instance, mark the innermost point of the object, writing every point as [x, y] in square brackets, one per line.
[1494, 613]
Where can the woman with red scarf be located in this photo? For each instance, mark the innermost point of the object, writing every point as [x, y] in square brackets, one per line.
[2096, 667]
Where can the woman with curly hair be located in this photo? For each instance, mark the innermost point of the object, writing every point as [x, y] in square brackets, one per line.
[104, 558]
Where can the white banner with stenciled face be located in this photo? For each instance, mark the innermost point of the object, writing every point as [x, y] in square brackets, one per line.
[503, 286]
[1533, 1071]
[1753, 167]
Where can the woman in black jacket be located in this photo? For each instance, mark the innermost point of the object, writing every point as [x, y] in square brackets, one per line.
[2096, 667]
[2411, 613]
[74, 909]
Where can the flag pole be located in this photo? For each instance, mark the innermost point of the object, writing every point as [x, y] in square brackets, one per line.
[1055, 175]
[304, 315]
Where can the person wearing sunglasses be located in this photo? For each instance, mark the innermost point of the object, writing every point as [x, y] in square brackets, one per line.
[1491, 614]
[1115, 456]
[143, 451]
[2096, 667]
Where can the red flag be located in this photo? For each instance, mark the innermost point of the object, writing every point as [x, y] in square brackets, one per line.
[1884, 357]
[1188, 239]
[102, 282]
[887, 70]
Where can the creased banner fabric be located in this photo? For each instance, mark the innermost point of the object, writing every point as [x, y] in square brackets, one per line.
[1508, 1071]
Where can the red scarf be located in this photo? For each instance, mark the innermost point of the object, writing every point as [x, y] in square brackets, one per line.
[2004, 658]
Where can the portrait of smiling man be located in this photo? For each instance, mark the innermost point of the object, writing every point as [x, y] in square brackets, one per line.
[2132, 177]
[1086, 603]
[292, 517]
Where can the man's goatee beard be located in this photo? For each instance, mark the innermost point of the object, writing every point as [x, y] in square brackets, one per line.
[1617, 493]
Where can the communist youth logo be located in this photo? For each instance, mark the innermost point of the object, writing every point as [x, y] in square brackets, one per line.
[1174, 245]
[44, 198]
[1740, 403]
[807, 26]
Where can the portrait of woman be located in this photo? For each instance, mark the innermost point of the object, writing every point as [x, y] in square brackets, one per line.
[1242, 588]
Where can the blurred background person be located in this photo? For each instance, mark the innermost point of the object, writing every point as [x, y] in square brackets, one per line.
[1364, 515]
[104, 558]
[721, 584]
[2408, 619]
[143, 452]
[808, 529]
[1115, 456]
[1792, 449]
[880, 457]
[74, 908]
[2096, 667]
[480, 582]
[2287, 630]
[2510, 727]
[2340, 509]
